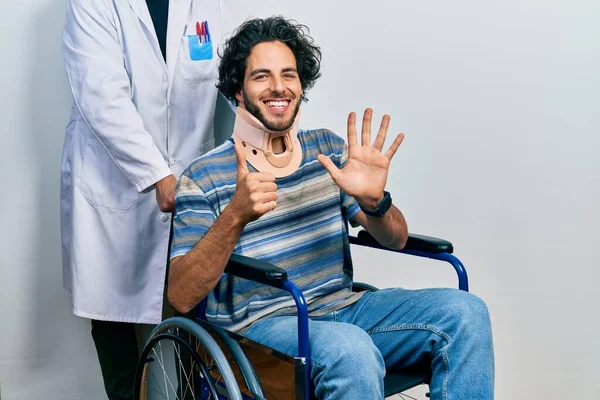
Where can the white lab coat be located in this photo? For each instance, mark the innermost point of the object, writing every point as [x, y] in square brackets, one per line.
[134, 121]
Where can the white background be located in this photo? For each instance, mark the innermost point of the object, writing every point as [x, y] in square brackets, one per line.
[500, 103]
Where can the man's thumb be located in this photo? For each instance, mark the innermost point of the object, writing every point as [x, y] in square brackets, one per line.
[240, 154]
[329, 166]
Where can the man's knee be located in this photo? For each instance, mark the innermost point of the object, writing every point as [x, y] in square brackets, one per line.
[466, 311]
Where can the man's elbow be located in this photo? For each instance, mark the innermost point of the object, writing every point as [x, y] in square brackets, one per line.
[402, 243]
[399, 242]
[403, 238]
[174, 291]
[176, 301]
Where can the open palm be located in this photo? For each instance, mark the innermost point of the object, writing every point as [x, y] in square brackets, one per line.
[364, 175]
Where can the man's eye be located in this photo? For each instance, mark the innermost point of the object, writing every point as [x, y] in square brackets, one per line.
[290, 76]
[263, 76]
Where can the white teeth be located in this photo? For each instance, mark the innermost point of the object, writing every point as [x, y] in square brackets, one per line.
[277, 103]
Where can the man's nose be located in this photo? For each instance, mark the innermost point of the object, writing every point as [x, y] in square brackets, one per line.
[277, 85]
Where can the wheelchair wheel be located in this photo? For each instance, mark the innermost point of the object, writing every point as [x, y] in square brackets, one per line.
[181, 361]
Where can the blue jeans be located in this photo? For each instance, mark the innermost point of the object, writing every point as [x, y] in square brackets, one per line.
[394, 328]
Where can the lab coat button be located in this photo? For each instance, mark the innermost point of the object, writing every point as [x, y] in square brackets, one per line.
[164, 218]
[171, 161]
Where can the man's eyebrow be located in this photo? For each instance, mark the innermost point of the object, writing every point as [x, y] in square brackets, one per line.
[266, 71]
[260, 71]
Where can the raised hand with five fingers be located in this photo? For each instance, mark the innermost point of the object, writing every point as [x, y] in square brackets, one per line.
[364, 175]
[255, 192]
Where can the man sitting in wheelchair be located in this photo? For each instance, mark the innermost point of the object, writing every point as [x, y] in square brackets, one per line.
[284, 195]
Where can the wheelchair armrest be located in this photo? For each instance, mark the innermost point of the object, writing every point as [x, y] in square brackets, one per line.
[415, 242]
[256, 270]
[269, 274]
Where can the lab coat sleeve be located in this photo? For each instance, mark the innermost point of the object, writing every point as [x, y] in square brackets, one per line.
[101, 89]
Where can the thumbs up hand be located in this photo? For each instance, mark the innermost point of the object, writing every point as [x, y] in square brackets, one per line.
[255, 192]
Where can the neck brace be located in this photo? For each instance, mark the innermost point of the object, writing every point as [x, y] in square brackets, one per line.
[257, 142]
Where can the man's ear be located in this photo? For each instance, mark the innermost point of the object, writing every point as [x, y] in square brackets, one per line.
[239, 97]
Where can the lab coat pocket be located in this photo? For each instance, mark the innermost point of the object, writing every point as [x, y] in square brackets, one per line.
[197, 61]
[102, 183]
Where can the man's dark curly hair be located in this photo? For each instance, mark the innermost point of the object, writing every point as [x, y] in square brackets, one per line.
[252, 32]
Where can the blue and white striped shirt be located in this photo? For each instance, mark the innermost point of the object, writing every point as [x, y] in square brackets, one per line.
[306, 234]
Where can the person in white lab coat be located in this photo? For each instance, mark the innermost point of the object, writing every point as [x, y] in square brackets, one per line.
[142, 74]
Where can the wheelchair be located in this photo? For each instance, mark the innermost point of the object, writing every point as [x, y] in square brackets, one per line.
[188, 358]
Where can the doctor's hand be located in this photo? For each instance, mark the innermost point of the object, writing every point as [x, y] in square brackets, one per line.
[255, 192]
[364, 175]
[165, 193]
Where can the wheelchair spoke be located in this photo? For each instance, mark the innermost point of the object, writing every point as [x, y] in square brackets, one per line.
[192, 363]
[157, 385]
[179, 366]
[162, 365]
[154, 388]
[210, 366]
[206, 374]
[183, 372]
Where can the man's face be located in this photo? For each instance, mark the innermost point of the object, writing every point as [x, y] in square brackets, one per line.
[271, 90]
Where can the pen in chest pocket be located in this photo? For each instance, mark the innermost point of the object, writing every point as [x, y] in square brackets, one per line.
[199, 31]
[207, 32]
[202, 32]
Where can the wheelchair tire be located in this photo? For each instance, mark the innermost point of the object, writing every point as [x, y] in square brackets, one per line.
[182, 361]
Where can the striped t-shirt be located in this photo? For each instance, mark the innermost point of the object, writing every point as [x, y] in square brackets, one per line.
[306, 234]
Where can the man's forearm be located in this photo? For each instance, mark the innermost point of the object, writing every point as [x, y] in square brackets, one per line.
[389, 230]
[193, 276]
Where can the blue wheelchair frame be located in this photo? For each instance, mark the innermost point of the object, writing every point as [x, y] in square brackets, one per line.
[258, 271]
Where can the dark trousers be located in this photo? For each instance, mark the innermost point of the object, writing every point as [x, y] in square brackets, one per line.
[117, 348]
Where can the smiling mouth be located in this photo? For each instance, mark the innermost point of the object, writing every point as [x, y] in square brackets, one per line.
[277, 106]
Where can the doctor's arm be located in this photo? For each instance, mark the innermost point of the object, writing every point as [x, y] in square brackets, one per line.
[100, 85]
[194, 275]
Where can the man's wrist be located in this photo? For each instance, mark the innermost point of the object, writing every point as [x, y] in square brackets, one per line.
[370, 204]
[380, 209]
[233, 217]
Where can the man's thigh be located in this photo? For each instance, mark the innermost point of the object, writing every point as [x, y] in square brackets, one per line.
[325, 336]
[409, 326]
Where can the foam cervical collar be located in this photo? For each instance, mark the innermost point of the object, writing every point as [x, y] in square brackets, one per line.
[257, 142]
